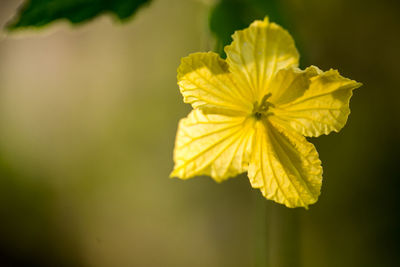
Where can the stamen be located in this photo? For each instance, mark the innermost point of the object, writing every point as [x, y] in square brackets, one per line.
[261, 110]
[264, 99]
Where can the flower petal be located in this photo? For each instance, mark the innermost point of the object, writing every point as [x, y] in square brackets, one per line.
[323, 107]
[285, 166]
[258, 53]
[205, 82]
[289, 84]
[215, 145]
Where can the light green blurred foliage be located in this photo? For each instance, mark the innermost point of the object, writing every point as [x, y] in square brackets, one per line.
[87, 126]
[91, 115]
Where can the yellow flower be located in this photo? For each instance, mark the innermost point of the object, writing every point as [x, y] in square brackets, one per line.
[252, 111]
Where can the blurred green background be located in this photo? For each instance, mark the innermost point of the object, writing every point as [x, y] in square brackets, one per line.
[88, 117]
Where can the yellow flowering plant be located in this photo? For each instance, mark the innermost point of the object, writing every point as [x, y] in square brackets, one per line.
[252, 112]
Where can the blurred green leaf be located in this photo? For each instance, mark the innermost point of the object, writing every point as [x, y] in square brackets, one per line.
[38, 13]
[227, 16]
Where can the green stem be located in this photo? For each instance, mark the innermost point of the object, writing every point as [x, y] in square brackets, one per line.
[278, 242]
[260, 219]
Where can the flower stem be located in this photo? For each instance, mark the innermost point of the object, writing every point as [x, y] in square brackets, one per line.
[260, 230]
[278, 242]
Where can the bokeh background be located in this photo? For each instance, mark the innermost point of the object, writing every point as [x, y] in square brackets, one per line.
[88, 117]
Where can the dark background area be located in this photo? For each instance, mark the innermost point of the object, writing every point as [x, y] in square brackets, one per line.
[88, 117]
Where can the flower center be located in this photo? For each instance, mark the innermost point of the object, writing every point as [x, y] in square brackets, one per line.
[261, 110]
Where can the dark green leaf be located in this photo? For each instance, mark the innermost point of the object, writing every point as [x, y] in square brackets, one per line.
[37, 13]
